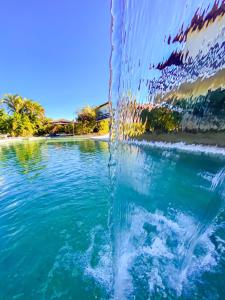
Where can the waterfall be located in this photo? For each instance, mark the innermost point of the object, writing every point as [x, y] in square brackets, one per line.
[168, 53]
[165, 54]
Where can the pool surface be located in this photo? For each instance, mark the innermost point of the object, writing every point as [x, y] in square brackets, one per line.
[68, 230]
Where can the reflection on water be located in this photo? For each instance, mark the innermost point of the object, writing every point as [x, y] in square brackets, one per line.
[170, 53]
[46, 220]
[32, 156]
[28, 156]
[88, 146]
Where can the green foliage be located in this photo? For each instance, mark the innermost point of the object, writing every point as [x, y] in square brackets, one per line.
[13, 103]
[45, 127]
[84, 128]
[58, 129]
[87, 114]
[86, 121]
[161, 119]
[134, 129]
[103, 127]
[4, 122]
[21, 125]
[26, 117]
[87, 124]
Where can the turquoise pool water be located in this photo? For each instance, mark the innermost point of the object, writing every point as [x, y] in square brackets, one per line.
[66, 234]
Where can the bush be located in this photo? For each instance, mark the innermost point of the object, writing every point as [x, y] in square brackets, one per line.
[161, 119]
[133, 129]
[83, 128]
[4, 122]
[58, 129]
[103, 127]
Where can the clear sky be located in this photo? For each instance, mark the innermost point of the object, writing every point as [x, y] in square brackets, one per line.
[55, 52]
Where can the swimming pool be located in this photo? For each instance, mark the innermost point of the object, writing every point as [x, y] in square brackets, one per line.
[66, 233]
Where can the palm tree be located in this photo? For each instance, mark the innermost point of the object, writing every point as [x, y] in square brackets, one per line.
[33, 109]
[13, 103]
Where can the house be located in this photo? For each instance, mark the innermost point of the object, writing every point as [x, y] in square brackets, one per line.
[61, 122]
[102, 111]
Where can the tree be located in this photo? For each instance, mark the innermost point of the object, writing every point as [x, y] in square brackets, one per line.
[13, 103]
[36, 114]
[26, 117]
[87, 114]
[33, 109]
[86, 121]
[4, 122]
[21, 125]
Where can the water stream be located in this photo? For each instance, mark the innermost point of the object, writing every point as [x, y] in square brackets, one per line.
[167, 54]
[171, 54]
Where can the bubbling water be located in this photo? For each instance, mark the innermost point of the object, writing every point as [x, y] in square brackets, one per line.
[160, 248]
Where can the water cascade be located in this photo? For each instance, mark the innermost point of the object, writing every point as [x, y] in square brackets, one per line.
[169, 56]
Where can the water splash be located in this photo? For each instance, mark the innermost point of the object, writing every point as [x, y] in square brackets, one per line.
[162, 253]
[157, 254]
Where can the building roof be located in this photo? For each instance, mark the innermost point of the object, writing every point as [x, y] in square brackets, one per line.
[61, 121]
[106, 103]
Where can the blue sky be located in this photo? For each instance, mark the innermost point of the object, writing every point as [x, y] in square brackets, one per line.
[55, 52]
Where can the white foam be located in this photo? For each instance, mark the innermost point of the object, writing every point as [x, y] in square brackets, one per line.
[156, 256]
[193, 148]
[158, 249]
[101, 272]
[148, 256]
